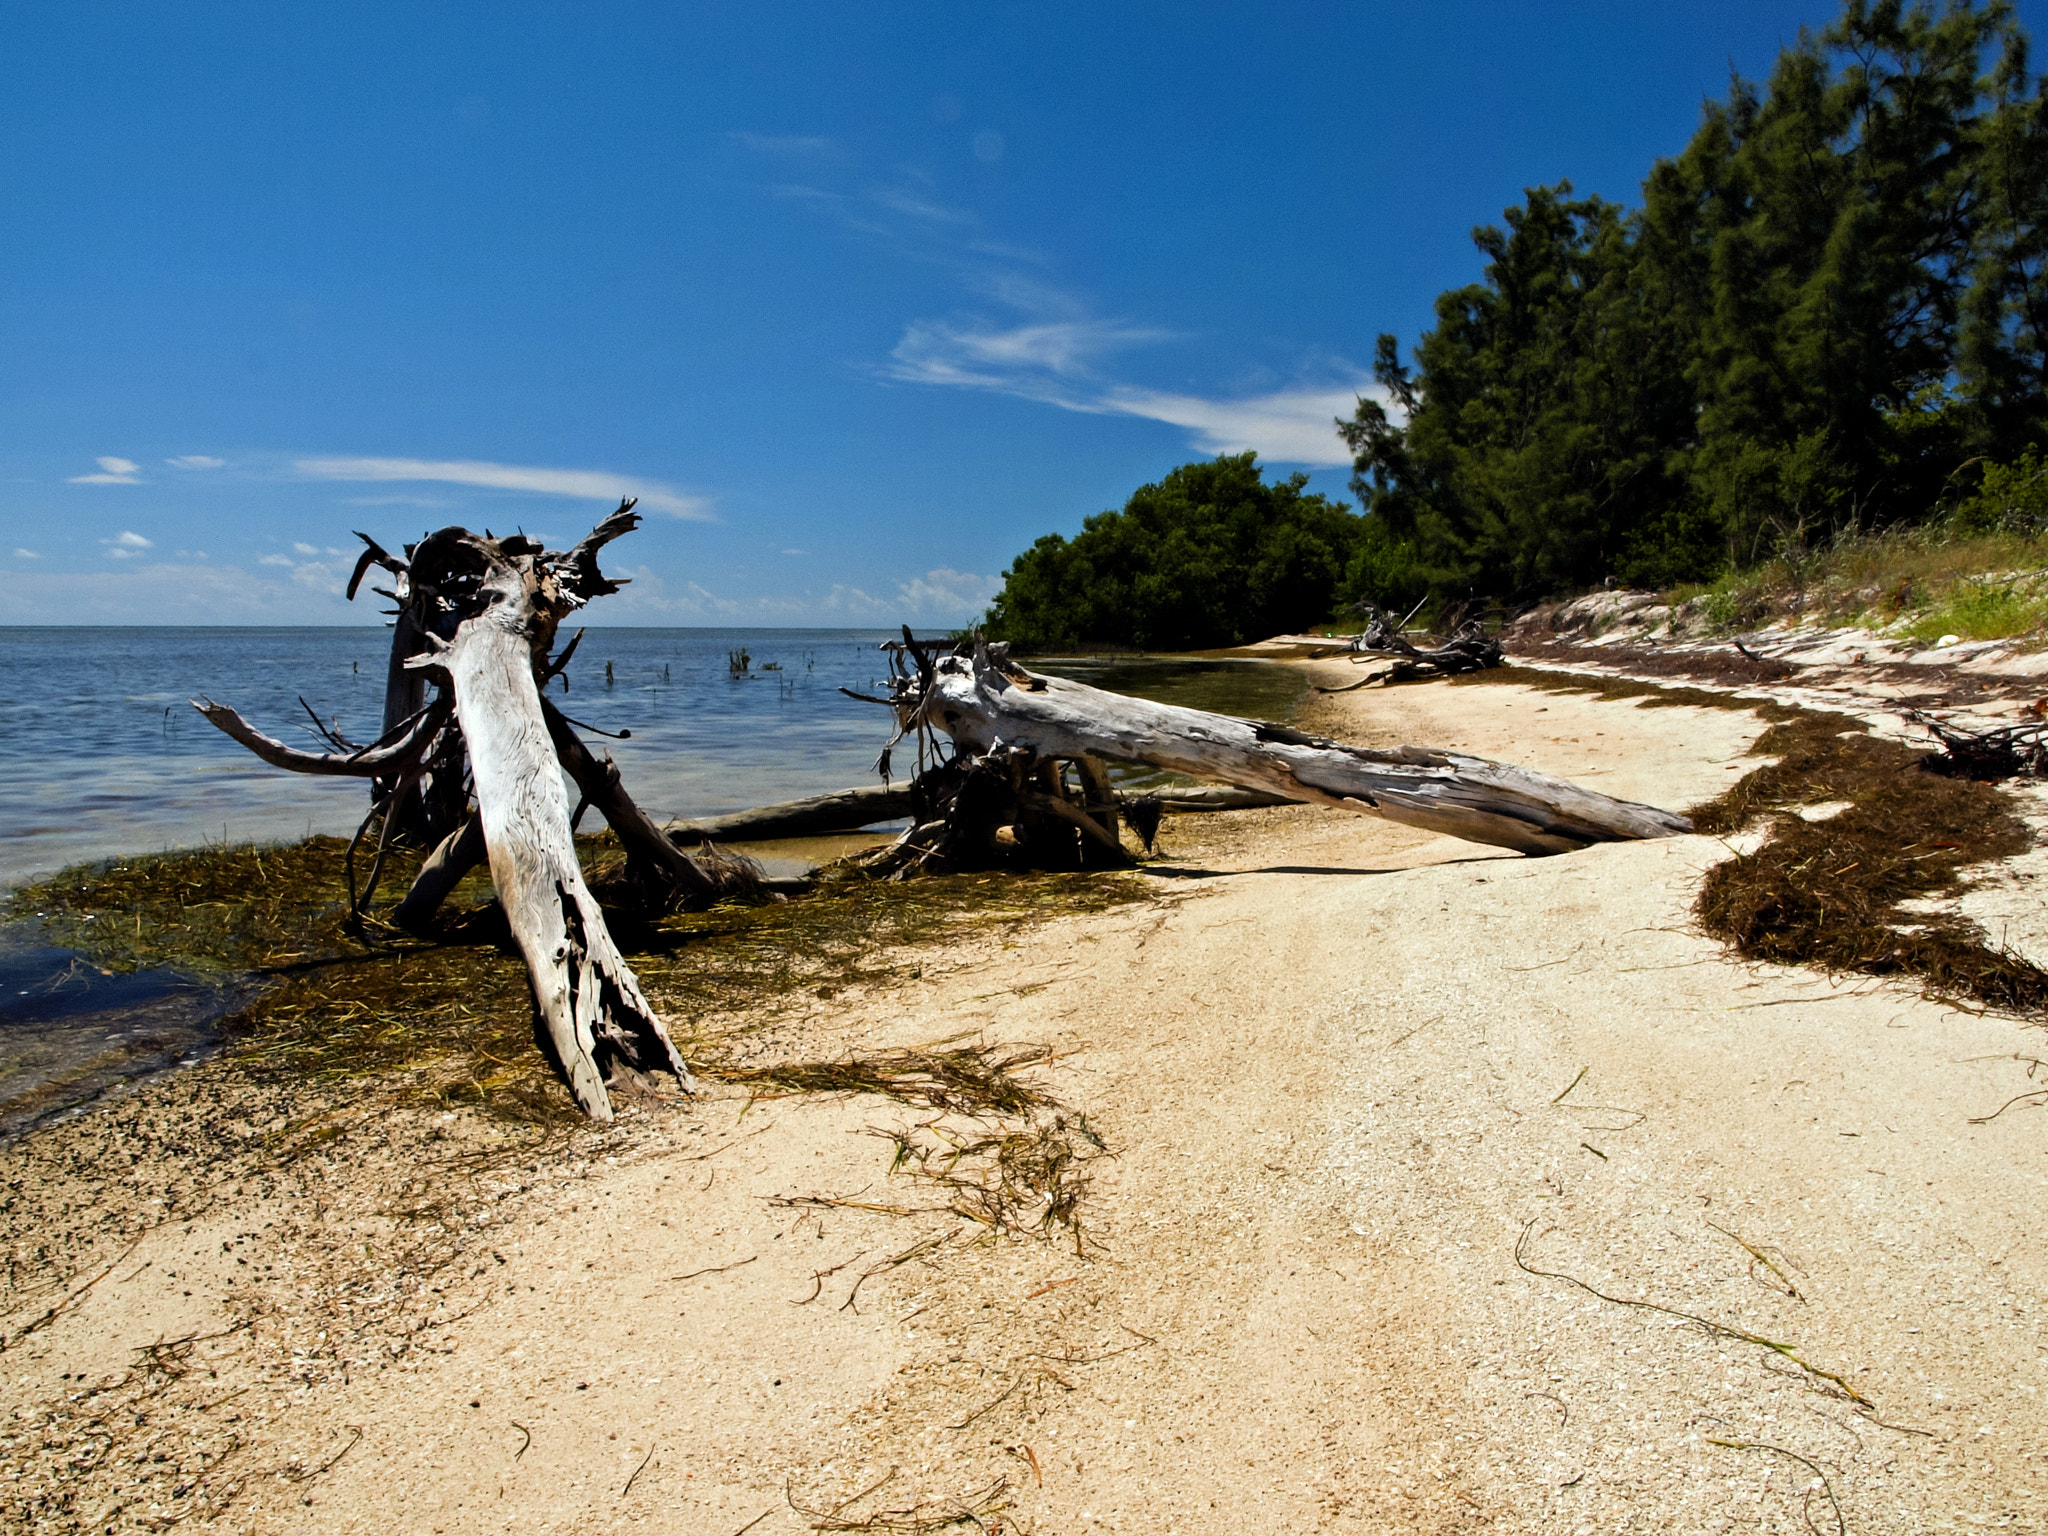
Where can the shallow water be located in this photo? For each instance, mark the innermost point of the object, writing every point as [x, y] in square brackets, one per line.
[101, 756]
[69, 1030]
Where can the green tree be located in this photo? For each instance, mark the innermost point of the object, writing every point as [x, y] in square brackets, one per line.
[1210, 556]
[1535, 431]
[1834, 298]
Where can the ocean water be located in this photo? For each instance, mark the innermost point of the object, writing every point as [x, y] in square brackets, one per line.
[101, 754]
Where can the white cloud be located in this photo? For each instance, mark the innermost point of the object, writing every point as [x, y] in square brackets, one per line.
[162, 592]
[1055, 363]
[127, 546]
[584, 484]
[113, 471]
[855, 603]
[321, 575]
[947, 594]
[1294, 426]
[1040, 361]
[26, 554]
[194, 461]
[899, 201]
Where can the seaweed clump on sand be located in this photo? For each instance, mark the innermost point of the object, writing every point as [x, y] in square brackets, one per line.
[1838, 891]
[1834, 891]
[449, 1019]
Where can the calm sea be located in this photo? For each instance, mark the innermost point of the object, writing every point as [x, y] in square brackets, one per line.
[101, 753]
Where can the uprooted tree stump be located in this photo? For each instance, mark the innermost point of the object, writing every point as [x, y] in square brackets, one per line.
[1469, 649]
[1026, 780]
[470, 766]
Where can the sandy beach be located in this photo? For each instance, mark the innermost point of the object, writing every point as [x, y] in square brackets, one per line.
[1438, 1189]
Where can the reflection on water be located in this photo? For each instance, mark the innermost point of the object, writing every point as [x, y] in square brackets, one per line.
[69, 1030]
[101, 755]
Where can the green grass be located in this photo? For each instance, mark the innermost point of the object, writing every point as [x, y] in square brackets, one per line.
[1921, 582]
[1984, 611]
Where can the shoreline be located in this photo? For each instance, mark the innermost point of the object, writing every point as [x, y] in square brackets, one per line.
[1325, 1054]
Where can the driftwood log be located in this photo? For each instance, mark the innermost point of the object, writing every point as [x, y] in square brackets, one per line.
[1013, 735]
[842, 810]
[470, 766]
[1469, 649]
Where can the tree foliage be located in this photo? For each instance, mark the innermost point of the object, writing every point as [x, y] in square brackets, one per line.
[1829, 305]
[1210, 556]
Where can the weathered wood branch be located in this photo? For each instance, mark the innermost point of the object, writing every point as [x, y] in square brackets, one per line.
[1470, 649]
[985, 703]
[455, 856]
[842, 810]
[648, 851]
[381, 759]
[476, 620]
[1215, 797]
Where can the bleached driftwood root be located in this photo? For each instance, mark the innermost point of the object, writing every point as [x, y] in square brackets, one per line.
[476, 625]
[1009, 727]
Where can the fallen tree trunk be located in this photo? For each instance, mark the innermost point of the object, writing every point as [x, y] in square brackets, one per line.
[1470, 649]
[1215, 797]
[843, 810]
[1006, 723]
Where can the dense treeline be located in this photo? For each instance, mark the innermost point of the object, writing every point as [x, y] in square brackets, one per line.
[1830, 311]
[1210, 556]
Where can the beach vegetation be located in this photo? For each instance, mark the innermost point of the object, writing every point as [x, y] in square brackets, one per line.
[1866, 890]
[1828, 314]
[1210, 556]
[449, 1020]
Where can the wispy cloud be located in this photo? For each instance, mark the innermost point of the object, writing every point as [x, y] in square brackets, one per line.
[113, 471]
[1042, 361]
[127, 546]
[1047, 345]
[1294, 426]
[195, 461]
[162, 592]
[583, 484]
[1057, 363]
[26, 554]
[947, 594]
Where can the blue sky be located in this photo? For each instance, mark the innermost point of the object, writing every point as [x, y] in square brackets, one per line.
[859, 300]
